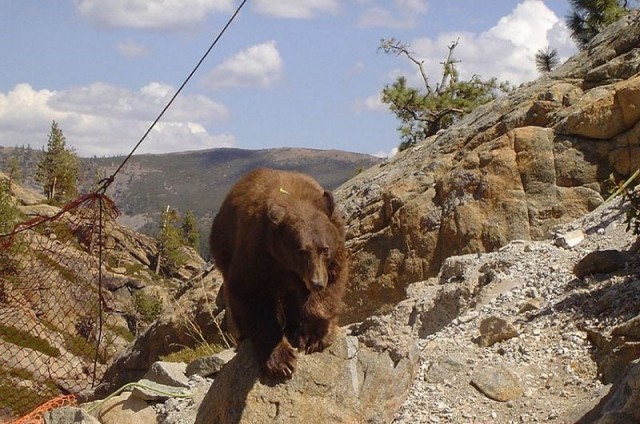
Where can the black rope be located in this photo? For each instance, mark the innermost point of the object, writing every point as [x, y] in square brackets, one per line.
[108, 181]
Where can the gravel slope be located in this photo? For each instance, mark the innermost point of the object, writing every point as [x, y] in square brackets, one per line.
[547, 370]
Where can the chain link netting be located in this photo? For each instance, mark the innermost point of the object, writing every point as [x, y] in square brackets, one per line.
[56, 332]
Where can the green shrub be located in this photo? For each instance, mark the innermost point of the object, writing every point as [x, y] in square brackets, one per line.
[79, 346]
[134, 268]
[27, 340]
[147, 307]
[188, 354]
[121, 331]
[66, 273]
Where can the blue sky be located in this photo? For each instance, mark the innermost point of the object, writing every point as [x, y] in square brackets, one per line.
[288, 73]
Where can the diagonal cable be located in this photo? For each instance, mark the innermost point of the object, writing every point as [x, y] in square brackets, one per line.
[108, 181]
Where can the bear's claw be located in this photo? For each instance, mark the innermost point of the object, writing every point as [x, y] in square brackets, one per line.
[315, 336]
[282, 361]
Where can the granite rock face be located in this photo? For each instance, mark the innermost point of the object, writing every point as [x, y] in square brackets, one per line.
[347, 383]
[513, 169]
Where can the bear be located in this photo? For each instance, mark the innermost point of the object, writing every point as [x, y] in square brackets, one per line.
[279, 241]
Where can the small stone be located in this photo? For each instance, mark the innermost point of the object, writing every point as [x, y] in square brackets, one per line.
[168, 373]
[442, 407]
[530, 305]
[569, 239]
[125, 408]
[210, 365]
[443, 368]
[497, 383]
[494, 330]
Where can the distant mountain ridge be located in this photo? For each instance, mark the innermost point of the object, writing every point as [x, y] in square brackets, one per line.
[199, 180]
[196, 180]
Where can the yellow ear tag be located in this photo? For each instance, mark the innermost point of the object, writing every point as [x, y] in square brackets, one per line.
[283, 191]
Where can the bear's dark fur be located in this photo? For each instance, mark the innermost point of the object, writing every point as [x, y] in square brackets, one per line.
[279, 241]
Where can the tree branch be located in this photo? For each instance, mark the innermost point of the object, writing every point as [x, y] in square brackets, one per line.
[448, 71]
[398, 48]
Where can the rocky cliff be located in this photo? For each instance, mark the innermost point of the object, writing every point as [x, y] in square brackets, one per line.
[513, 169]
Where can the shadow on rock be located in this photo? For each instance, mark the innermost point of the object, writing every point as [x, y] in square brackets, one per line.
[225, 401]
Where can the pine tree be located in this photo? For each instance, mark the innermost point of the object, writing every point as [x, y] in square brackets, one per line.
[8, 210]
[589, 17]
[190, 232]
[546, 60]
[170, 241]
[10, 247]
[423, 113]
[58, 170]
[15, 171]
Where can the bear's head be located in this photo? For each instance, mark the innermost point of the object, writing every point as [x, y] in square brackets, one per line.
[304, 240]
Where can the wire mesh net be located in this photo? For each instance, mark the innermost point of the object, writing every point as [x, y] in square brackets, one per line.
[56, 332]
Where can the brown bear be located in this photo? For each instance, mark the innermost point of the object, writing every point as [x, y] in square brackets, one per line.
[279, 241]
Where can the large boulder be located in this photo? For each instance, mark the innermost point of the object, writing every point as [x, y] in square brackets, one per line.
[512, 169]
[352, 381]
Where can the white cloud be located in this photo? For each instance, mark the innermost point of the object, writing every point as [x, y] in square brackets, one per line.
[151, 14]
[506, 51]
[371, 103]
[404, 14]
[130, 48]
[102, 119]
[257, 66]
[298, 9]
[382, 154]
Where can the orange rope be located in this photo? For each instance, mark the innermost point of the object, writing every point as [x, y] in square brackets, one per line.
[36, 416]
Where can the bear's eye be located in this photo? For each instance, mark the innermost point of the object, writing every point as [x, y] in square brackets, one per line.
[325, 251]
[304, 252]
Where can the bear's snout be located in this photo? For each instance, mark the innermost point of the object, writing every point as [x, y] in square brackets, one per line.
[316, 279]
[318, 284]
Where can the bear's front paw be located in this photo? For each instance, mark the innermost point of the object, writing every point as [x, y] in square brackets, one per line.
[282, 361]
[315, 336]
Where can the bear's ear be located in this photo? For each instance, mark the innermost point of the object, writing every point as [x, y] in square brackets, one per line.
[327, 196]
[276, 213]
